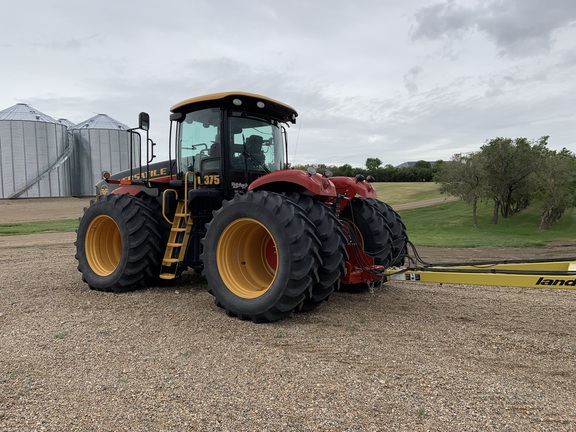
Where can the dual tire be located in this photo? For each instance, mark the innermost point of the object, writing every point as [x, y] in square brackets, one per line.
[398, 236]
[267, 255]
[118, 244]
[328, 229]
[261, 256]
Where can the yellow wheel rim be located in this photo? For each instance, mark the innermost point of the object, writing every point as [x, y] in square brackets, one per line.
[247, 258]
[103, 245]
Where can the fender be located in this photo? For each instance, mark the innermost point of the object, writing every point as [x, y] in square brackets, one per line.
[350, 187]
[129, 190]
[315, 183]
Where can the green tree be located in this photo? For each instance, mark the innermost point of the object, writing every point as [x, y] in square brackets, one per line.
[462, 177]
[423, 164]
[508, 165]
[556, 186]
[373, 164]
[345, 170]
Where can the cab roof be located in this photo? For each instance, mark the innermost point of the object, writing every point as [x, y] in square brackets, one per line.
[249, 102]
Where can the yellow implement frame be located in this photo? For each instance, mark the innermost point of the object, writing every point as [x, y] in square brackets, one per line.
[558, 274]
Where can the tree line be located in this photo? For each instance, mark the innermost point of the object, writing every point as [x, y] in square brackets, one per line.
[513, 174]
[421, 171]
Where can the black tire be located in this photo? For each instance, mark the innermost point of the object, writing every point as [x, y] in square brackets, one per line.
[118, 244]
[164, 228]
[163, 225]
[398, 230]
[371, 228]
[332, 249]
[260, 256]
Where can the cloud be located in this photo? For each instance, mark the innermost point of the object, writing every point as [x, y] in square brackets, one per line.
[518, 28]
[410, 79]
[442, 20]
[365, 83]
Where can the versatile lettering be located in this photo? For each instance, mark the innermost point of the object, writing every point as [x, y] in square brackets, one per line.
[148, 174]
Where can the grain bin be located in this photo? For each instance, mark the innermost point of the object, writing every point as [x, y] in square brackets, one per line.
[100, 144]
[34, 154]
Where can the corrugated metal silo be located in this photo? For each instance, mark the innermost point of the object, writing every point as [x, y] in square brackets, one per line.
[34, 154]
[100, 144]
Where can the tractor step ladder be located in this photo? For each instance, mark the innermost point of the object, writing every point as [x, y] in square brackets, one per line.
[177, 242]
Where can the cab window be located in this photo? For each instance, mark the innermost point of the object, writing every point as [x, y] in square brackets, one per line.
[200, 140]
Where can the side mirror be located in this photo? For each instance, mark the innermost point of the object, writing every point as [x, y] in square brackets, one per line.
[144, 121]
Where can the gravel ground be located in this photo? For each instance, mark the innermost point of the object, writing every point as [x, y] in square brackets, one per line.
[407, 357]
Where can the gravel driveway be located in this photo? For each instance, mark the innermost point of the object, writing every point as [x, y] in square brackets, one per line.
[407, 357]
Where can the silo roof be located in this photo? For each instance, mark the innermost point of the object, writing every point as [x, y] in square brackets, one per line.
[101, 121]
[25, 112]
[66, 122]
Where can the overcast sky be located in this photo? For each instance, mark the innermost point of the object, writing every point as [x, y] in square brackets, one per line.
[397, 80]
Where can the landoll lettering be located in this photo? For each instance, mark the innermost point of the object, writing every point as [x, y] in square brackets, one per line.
[561, 282]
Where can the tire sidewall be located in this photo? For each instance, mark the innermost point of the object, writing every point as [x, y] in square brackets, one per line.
[103, 206]
[226, 297]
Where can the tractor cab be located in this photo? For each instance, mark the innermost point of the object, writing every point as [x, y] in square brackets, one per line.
[225, 141]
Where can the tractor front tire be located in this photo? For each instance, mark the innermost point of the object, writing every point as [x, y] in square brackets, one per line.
[260, 256]
[118, 244]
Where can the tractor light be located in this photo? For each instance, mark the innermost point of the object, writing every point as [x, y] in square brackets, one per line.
[105, 175]
[237, 102]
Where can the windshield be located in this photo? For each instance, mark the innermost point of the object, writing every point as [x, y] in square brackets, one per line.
[256, 144]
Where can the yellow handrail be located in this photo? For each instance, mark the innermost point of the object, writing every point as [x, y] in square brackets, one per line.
[171, 222]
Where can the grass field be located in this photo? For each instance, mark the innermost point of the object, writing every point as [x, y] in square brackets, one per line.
[402, 193]
[450, 225]
[66, 225]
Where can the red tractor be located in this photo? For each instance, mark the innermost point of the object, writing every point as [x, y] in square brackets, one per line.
[269, 240]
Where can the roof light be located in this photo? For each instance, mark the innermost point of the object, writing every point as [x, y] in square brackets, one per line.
[260, 104]
[237, 102]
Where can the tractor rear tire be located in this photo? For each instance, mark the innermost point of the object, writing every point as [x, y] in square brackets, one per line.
[260, 256]
[370, 225]
[117, 244]
[332, 250]
[398, 230]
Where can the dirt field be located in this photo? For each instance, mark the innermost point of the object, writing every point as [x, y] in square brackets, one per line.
[410, 356]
